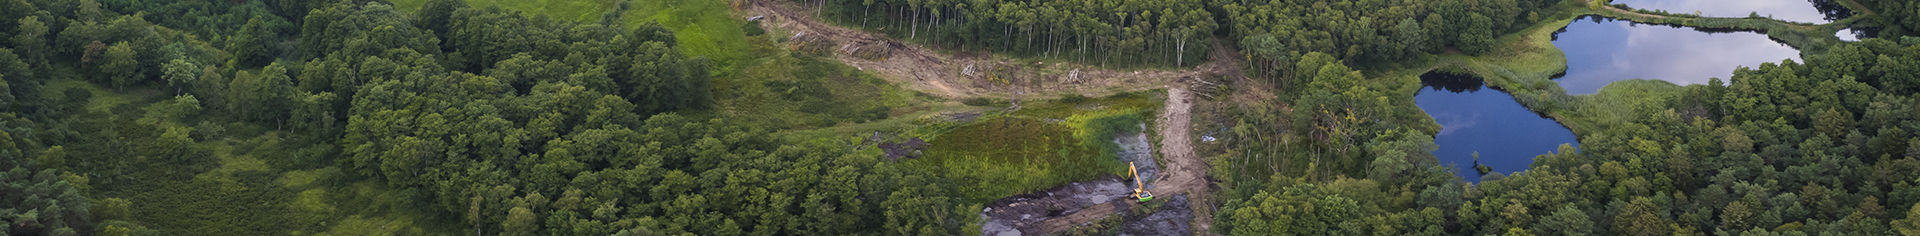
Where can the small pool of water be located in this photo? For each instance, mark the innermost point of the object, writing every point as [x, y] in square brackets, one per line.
[1806, 11]
[1857, 33]
[1474, 118]
[1602, 50]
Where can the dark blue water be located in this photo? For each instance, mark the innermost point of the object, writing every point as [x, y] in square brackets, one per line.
[1805, 11]
[1601, 50]
[1474, 118]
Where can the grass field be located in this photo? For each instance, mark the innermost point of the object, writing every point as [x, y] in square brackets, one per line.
[784, 92]
[704, 28]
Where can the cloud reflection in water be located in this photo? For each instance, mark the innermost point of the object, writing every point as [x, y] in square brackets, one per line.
[1788, 10]
[1600, 52]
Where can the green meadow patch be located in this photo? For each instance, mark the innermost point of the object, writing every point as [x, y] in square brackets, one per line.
[703, 28]
[1044, 145]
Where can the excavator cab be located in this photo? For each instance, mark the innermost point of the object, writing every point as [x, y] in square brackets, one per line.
[1139, 189]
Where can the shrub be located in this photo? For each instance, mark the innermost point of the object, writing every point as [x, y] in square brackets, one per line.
[976, 101]
[78, 95]
[753, 29]
[1072, 98]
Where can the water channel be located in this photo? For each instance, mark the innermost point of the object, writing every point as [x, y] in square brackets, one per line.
[1474, 118]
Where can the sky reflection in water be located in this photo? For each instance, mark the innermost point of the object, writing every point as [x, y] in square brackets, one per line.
[1475, 118]
[1788, 10]
[1603, 51]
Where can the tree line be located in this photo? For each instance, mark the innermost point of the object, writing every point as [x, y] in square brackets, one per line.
[1119, 33]
[512, 124]
[1179, 33]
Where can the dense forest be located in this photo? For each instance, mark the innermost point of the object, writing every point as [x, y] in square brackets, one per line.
[1901, 21]
[505, 123]
[1820, 147]
[358, 117]
[1177, 33]
[1173, 33]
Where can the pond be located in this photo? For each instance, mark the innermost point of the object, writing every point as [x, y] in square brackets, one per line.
[1474, 118]
[1857, 33]
[1601, 50]
[1805, 11]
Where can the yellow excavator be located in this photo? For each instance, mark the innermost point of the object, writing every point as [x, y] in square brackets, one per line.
[1139, 189]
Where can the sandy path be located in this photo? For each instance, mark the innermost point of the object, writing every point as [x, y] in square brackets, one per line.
[914, 65]
[1185, 172]
[1188, 171]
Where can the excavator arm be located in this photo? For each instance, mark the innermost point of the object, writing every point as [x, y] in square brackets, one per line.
[1139, 187]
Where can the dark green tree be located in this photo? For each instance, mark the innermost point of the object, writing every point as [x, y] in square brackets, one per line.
[250, 45]
[119, 67]
[1478, 37]
[1567, 221]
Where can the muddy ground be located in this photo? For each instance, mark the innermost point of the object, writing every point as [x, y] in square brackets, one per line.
[1170, 214]
[1138, 149]
[1008, 216]
[1171, 218]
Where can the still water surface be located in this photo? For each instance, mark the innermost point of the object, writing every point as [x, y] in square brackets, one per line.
[1805, 11]
[1602, 50]
[1474, 118]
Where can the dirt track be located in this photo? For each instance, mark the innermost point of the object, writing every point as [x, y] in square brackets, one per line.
[1186, 173]
[919, 68]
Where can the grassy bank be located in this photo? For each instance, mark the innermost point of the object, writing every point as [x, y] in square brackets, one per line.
[1808, 38]
[1524, 68]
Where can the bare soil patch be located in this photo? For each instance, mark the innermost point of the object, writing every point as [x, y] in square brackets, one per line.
[968, 74]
